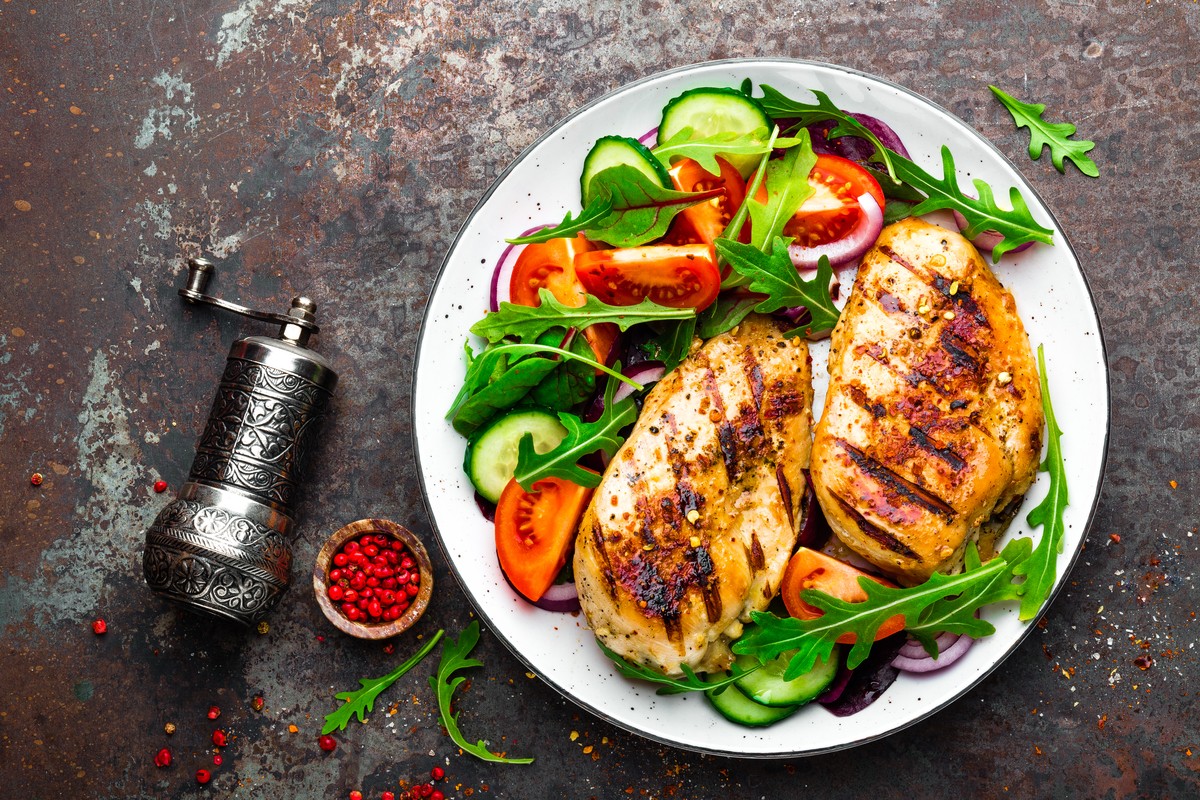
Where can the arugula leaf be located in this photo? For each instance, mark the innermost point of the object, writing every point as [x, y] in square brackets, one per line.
[787, 189]
[726, 313]
[1016, 226]
[642, 210]
[496, 380]
[1056, 135]
[598, 209]
[690, 682]
[573, 381]
[362, 701]
[528, 322]
[779, 106]
[582, 438]
[774, 275]
[704, 151]
[672, 343]
[454, 658]
[1040, 569]
[815, 638]
[897, 210]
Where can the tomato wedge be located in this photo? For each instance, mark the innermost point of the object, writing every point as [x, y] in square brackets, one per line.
[536, 530]
[704, 222]
[551, 265]
[832, 211]
[811, 569]
[679, 276]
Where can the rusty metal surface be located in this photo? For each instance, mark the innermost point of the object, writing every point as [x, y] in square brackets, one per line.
[333, 148]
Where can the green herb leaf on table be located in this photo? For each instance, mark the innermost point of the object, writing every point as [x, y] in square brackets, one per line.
[774, 275]
[597, 210]
[726, 313]
[1055, 135]
[814, 639]
[362, 702]
[1017, 225]
[690, 682]
[787, 188]
[455, 657]
[1040, 570]
[641, 210]
[529, 322]
[583, 438]
[705, 151]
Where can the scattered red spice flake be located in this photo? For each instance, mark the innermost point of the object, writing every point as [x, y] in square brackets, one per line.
[1037, 750]
[258, 703]
[203, 776]
[99, 627]
[169, 728]
[1103, 721]
[1042, 623]
[1115, 538]
[213, 712]
[160, 487]
[1143, 662]
[219, 738]
[389, 649]
[162, 758]
[1174, 485]
[36, 479]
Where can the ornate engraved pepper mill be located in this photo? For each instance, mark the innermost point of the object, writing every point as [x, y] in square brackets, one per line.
[221, 547]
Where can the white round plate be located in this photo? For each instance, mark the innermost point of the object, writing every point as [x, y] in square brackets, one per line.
[540, 187]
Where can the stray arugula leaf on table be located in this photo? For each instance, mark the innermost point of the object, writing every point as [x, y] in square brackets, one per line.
[641, 210]
[455, 657]
[526, 323]
[583, 438]
[690, 682]
[1041, 569]
[1055, 135]
[1017, 225]
[361, 702]
[598, 209]
[773, 274]
[704, 151]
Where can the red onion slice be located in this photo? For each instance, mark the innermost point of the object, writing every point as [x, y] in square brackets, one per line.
[988, 239]
[645, 373]
[927, 664]
[560, 598]
[913, 649]
[501, 289]
[849, 247]
[649, 138]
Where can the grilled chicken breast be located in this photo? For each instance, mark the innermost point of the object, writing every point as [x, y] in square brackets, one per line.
[696, 516]
[932, 425]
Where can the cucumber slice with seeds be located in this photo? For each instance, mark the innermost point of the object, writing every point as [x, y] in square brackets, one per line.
[491, 458]
[612, 151]
[711, 111]
[734, 705]
[766, 684]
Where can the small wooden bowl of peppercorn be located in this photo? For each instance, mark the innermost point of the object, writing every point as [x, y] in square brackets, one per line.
[373, 579]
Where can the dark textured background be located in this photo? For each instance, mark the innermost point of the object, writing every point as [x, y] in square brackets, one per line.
[333, 148]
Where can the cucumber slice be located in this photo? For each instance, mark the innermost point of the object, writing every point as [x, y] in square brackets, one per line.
[736, 706]
[766, 684]
[711, 111]
[611, 151]
[491, 456]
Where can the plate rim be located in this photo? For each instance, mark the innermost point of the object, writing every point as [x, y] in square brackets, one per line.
[1061, 582]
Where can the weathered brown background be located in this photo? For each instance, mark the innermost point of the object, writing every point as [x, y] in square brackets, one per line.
[334, 148]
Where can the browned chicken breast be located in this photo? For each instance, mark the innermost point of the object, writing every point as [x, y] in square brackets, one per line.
[931, 432]
[696, 516]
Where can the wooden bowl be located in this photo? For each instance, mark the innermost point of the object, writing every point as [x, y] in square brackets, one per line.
[372, 630]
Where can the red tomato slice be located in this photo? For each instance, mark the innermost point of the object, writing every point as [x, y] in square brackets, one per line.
[536, 530]
[811, 569]
[551, 265]
[704, 222]
[679, 276]
[832, 210]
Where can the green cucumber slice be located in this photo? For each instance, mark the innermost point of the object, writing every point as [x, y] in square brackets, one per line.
[766, 684]
[491, 458]
[612, 151]
[710, 111]
[736, 706]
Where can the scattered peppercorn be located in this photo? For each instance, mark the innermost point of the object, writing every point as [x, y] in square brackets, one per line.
[100, 627]
[217, 760]
[213, 712]
[203, 776]
[162, 758]
[327, 743]
[356, 795]
[160, 486]
[436, 795]
[437, 773]
[388, 796]
[219, 738]
[373, 579]
[258, 703]
[169, 728]
[36, 479]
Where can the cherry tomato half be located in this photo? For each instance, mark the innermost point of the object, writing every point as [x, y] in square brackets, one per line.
[679, 276]
[536, 530]
[832, 210]
[704, 222]
[811, 569]
[551, 265]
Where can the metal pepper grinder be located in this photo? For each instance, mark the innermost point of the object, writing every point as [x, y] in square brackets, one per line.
[221, 547]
